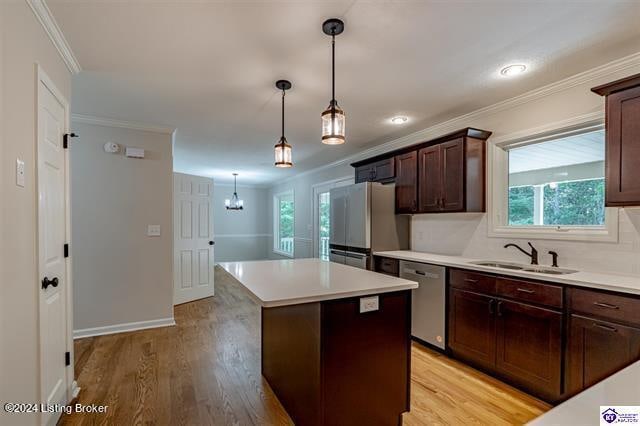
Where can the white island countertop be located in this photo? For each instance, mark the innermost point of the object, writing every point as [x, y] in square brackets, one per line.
[290, 282]
[613, 282]
[622, 388]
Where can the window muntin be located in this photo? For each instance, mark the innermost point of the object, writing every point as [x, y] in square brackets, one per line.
[558, 182]
[284, 210]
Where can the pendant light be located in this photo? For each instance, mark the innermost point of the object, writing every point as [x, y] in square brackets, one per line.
[282, 148]
[333, 119]
[234, 203]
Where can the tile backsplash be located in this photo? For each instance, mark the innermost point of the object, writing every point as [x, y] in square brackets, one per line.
[465, 234]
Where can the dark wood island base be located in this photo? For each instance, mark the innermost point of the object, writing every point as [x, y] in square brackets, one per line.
[329, 364]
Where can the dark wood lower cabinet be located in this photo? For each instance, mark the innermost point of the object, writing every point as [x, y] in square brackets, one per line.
[597, 349]
[472, 327]
[329, 364]
[529, 347]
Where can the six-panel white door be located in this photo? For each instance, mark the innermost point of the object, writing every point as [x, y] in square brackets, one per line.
[52, 283]
[193, 238]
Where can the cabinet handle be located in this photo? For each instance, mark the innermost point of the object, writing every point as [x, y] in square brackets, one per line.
[469, 280]
[499, 309]
[605, 327]
[491, 303]
[605, 305]
[525, 290]
[414, 206]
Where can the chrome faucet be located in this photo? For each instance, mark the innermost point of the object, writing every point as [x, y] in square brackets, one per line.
[533, 255]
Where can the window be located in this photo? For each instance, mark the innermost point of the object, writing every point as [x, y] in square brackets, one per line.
[283, 223]
[551, 186]
[324, 222]
[559, 182]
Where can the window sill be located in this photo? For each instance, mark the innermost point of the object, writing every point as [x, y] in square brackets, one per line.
[608, 234]
[283, 253]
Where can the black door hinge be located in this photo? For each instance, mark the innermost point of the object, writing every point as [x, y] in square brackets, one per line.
[66, 250]
[65, 139]
[67, 359]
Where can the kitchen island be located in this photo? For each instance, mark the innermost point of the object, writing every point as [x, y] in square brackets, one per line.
[335, 339]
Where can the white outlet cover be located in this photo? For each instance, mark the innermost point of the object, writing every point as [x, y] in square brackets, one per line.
[20, 178]
[111, 147]
[369, 304]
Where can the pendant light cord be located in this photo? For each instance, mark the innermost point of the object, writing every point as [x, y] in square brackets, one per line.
[283, 93]
[333, 82]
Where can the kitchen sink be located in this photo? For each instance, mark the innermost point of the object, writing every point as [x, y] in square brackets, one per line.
[523, 267]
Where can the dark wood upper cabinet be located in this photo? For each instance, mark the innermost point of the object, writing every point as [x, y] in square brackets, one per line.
[452, 176]
[622, 162]
[430, 179]
[446, 174]
[376, 171]
[407, 182]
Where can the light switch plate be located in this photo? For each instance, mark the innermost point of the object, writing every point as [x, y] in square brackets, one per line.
[20, 173]
[369, 304]
[153, 230]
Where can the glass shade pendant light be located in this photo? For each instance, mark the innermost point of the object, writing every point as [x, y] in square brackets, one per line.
[282, 148]
[234, 203]
[333, 119]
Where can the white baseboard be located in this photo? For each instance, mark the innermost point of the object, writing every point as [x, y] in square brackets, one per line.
[121, 328]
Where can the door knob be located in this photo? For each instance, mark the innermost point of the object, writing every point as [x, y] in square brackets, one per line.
[46, 282]
[211, 243]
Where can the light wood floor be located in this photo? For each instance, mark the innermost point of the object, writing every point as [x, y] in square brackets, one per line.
[206, 371]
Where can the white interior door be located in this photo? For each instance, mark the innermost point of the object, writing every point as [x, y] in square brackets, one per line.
[53, 285]
[193, 238]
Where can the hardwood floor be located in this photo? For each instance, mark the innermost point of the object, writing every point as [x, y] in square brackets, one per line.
[206, 371]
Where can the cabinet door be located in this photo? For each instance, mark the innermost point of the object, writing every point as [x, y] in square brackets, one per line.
[472, 328]
[596, 349]
[452, 165]
[384, 170]
[430, 179]
[407, 182]
[529, 347]
[364, 173]
[623, 148]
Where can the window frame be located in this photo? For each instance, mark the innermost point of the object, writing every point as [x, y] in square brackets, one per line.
[498, 186]
[276, 223]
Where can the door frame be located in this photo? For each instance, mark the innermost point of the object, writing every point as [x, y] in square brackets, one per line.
[71, 386]
[316, 190]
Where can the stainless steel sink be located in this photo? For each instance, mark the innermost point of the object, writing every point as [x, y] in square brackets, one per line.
[522, 267]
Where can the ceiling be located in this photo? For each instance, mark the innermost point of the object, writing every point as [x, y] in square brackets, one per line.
[577, 149]
[208, 68]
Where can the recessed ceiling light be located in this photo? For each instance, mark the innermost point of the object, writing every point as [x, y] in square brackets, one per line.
[401, 119]
[512, 70]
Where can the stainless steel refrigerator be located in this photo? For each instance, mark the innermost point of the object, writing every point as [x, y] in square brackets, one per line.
[363, 220]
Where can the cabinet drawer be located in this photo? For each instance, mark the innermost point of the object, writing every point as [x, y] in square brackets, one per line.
[543, 294]
[472, 281]
[387, 266]
[605, 305]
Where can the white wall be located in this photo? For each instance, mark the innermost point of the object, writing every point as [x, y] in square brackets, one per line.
[120, 274]
[241, 234]
[466, 234]
[24, 42]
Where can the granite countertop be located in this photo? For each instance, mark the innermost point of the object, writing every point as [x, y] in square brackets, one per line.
[294, 281]
[612, 282]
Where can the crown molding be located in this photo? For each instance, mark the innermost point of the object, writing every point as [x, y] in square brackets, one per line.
[628, 62]
[46, 19]
[100, 121]
[240, 185]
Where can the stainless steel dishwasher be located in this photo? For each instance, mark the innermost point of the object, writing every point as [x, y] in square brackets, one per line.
[427, 301]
